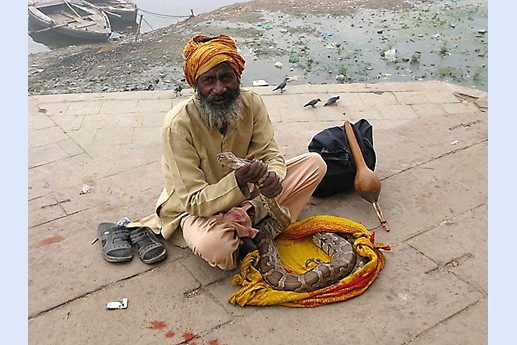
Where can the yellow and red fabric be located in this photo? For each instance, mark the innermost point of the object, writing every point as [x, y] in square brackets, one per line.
[202, 53]
[295, 246]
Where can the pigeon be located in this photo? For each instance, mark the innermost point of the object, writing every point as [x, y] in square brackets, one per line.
[178, 89]
[281, 86]
[331, 100]
[313, 102]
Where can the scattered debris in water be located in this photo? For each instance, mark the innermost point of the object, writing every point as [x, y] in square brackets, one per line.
[431, 40]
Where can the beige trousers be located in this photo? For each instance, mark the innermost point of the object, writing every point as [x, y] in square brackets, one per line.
[216, 238]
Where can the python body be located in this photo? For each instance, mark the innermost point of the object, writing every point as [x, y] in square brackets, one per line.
[341, 252]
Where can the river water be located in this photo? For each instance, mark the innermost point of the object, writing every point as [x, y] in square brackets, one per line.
[159, 13]
[445, 40]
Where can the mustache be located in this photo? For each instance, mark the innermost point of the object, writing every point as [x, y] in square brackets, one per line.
[227, 96]
[222, 97]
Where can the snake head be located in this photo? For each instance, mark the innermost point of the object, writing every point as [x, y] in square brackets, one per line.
[226, 156]
[230, 160]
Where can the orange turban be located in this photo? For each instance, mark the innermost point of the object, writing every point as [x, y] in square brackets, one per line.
[202, 53]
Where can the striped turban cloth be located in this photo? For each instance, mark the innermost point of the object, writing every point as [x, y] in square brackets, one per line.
[202, 53]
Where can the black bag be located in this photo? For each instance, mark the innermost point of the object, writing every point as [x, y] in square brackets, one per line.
[332, 145]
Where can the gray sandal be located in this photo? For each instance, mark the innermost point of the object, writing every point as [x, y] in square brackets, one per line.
[115, 242]
[150, 249]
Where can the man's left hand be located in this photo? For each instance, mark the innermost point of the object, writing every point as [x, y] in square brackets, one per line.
[271, 186]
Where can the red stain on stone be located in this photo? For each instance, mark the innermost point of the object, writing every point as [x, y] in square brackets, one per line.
[157, 325]
[49, 241]
[188, 336]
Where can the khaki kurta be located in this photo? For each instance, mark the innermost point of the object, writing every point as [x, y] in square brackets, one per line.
[195, 182]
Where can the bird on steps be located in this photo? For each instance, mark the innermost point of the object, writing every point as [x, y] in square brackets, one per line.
[331, 100]
[178, 89]
[282, 85]
[313, 102]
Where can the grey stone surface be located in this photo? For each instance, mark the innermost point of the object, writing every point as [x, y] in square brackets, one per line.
[431, 140]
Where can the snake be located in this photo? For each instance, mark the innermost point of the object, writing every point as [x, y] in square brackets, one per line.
[280, 213]
[322, 274]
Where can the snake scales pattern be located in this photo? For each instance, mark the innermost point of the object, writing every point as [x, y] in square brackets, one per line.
[340, 251]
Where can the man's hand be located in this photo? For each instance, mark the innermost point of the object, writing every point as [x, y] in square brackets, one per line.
[271, 186]
[251, 172]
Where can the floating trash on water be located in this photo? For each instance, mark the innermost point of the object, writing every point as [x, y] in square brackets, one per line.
[391, 54]
[279, 64]
[332, 45]
[383, 75]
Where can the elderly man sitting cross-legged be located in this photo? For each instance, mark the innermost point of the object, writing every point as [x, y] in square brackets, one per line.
[209, 206]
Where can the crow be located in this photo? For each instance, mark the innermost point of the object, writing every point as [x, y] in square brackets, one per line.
[331, 100]
[178, 89]
[313, 102]
[281, 86]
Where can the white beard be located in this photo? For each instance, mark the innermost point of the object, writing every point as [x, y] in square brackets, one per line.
[220, 118]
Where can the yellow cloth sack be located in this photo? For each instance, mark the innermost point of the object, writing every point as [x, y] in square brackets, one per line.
[295, 247]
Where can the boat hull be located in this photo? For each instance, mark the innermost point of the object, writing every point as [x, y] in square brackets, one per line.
[69, 21]
[121, 13]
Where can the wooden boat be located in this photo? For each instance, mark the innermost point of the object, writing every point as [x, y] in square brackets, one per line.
[69, 20]
[121, 13]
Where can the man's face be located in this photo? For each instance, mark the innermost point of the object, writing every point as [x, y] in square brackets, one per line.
[219, 85]
[219, 98]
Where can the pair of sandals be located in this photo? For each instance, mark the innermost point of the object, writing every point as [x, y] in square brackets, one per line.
[117, 243]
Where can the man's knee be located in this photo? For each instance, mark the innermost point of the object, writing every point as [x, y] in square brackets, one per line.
[318, 162]
[219, 248]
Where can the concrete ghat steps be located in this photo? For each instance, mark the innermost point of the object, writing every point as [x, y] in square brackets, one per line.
[431, 140]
